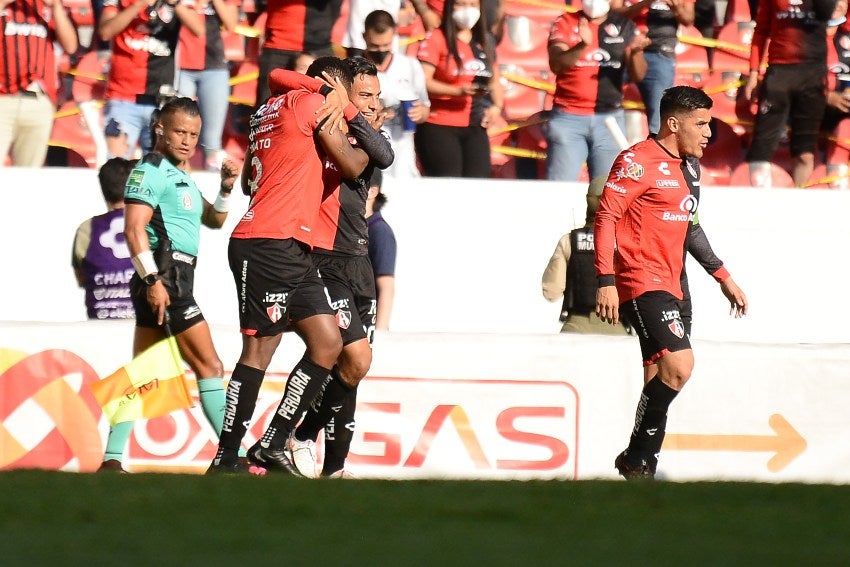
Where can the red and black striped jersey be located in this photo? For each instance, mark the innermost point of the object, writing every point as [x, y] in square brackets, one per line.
[300, 25]
[796, 30]
[143, 53]
[595, 83]
[27, 53]
[207, 52]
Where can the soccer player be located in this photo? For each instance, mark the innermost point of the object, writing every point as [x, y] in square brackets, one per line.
[343, 260]
[164, 210]
[647, 208]
[269, 255]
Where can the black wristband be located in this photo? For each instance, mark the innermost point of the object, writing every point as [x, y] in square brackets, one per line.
[605, 280]
[325, 90]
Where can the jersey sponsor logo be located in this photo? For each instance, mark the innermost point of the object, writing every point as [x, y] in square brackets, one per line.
[613, 186]
[612, 30]
[275, 297]
[152, 45]
[664, 168]
[666, 183]
[136, 178]
[25, 30]
[110, 239]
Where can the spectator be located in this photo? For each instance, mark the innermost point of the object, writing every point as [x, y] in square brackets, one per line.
[100, 257]
[837, 102]
[358, 10]
[589, 52]
[570, 274]
[28, 89]
[144, 38]
[792, 91]
[293, 27]
[302, 62]
[662, 19]
[402, 79]
[460, 73]
[431, 12]
[382, 250]
[204, 73]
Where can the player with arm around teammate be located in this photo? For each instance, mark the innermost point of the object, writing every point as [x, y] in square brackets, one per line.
[647, 208]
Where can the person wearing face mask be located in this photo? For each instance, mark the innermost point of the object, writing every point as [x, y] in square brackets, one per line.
[589, 52]
[661, 20]
[358, 10]
[466, 98]
[402, 79]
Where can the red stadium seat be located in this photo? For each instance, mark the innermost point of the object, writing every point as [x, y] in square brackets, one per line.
[722, 155]
[90, 76]
[733, 53]
[740, 10]
[690, 56]
[243, 79]
[522, 100]
[71, 131]
[234, 46]
[778, 177]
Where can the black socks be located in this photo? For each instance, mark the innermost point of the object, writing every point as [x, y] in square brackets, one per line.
[651, 419]
[241, 399]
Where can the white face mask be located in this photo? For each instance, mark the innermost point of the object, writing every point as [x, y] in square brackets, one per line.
[466, 18]
[595, 8]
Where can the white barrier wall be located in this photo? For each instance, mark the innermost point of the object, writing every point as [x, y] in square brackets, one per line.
[477, 406]
[474, 380]
[471, 253]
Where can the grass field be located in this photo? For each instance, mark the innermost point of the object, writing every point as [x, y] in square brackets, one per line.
[49, 518]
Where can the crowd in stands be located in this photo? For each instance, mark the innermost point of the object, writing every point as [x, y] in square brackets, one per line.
[472, 88]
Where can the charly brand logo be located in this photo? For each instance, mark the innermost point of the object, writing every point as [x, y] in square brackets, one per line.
[48, 417]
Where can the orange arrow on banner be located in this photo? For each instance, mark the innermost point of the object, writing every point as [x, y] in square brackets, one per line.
[788, 444]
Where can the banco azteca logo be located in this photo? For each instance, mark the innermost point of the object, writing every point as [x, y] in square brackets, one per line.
[48, 417]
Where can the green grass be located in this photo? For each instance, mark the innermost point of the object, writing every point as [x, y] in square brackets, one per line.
[49, 518]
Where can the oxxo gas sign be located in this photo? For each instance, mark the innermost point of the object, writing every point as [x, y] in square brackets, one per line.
[406, 427]
[410, 428]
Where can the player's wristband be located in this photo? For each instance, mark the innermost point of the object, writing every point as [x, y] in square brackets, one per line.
[350, 112]
[222, 202]
[325, 90]
[145, 264]
[605, 280]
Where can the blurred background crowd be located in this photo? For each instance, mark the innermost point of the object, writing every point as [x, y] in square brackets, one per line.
[500, 80]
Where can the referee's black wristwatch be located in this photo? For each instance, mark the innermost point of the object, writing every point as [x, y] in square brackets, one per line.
[151, 279]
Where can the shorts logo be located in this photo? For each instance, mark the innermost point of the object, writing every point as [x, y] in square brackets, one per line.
[343, 319]
[275, 313]
[677, 328]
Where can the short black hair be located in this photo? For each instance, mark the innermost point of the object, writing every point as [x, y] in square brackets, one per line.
[333, 66]
[379, 21]
[113, 177]
[361, 66]
[683, 99]
[181, 103]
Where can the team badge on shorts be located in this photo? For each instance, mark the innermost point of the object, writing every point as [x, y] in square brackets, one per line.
[343, 318]
[275, 313]
[677, 328]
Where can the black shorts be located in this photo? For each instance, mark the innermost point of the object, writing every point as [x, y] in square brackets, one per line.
[177, 272]
[656, 319]
[791, 95]
[351, 285]
[269, 275]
